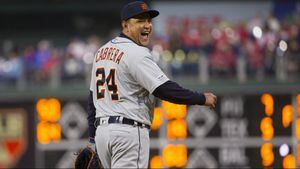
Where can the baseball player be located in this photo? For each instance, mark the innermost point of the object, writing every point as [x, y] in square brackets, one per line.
[124, 80]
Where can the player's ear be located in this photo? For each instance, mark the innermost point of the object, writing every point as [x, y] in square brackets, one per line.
[124, 24]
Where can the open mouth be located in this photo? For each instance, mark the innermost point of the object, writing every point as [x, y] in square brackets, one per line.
[145, 35]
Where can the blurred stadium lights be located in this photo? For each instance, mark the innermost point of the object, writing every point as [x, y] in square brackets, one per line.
[167, 56]
[287, 115]
[284, 150]
[257, 32]
[49, 112]
[216, 33]
[175, 155]
[179, 55]
[157, 118]
[289, 161]
[283, 45]
[156, 162]
[267, 154]
[267, 128]
[268, 101]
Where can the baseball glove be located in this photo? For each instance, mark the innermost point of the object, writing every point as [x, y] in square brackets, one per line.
[87, 158]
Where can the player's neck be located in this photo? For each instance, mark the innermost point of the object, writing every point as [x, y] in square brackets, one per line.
[123, 35]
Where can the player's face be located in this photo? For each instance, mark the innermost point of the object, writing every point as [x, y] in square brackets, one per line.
[139, 29]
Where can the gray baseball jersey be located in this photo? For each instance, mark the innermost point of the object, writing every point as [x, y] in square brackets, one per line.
[123, 76]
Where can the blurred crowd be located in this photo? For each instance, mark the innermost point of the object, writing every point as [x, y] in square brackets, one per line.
[38, 63]
[259, 41]
[186, 42]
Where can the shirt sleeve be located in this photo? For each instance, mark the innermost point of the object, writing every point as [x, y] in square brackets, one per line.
[147, 73]
[173, 92]
[91, 116]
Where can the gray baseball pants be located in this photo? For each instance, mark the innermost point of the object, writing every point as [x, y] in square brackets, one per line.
[122, 145]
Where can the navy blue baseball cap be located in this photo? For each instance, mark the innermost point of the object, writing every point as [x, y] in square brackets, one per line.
[135, 8]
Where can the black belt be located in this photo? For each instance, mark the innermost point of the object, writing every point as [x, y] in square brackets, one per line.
[119, 119]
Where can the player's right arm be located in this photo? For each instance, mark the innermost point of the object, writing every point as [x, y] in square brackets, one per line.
[91, 118]
[91, 110]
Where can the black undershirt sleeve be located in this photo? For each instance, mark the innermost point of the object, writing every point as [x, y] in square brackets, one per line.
[173, 92]
[91, 117]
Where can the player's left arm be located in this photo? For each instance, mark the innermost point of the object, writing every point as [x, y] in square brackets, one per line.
[173, 92]
[150, 76]
[91, 118]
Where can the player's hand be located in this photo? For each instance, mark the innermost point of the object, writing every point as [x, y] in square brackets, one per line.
[211, 100]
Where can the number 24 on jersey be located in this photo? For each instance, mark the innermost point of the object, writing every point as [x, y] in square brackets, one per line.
[109, 81]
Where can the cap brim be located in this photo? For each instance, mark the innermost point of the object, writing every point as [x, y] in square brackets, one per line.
[153, 13]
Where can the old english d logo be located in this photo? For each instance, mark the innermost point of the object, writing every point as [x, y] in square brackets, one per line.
[143, 6]
[13, 136]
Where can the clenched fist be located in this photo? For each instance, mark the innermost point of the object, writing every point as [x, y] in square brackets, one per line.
[211, 100]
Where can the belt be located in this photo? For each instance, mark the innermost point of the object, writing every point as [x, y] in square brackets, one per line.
[120, 120]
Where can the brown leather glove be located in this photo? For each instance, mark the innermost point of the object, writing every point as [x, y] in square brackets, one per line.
[87, 158]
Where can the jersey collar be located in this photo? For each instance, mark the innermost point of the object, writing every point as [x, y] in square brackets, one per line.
[125, 36]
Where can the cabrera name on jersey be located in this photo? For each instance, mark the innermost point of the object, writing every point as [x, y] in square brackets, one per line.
[109, 53]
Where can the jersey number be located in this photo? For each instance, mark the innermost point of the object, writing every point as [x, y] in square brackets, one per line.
[110, 81]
